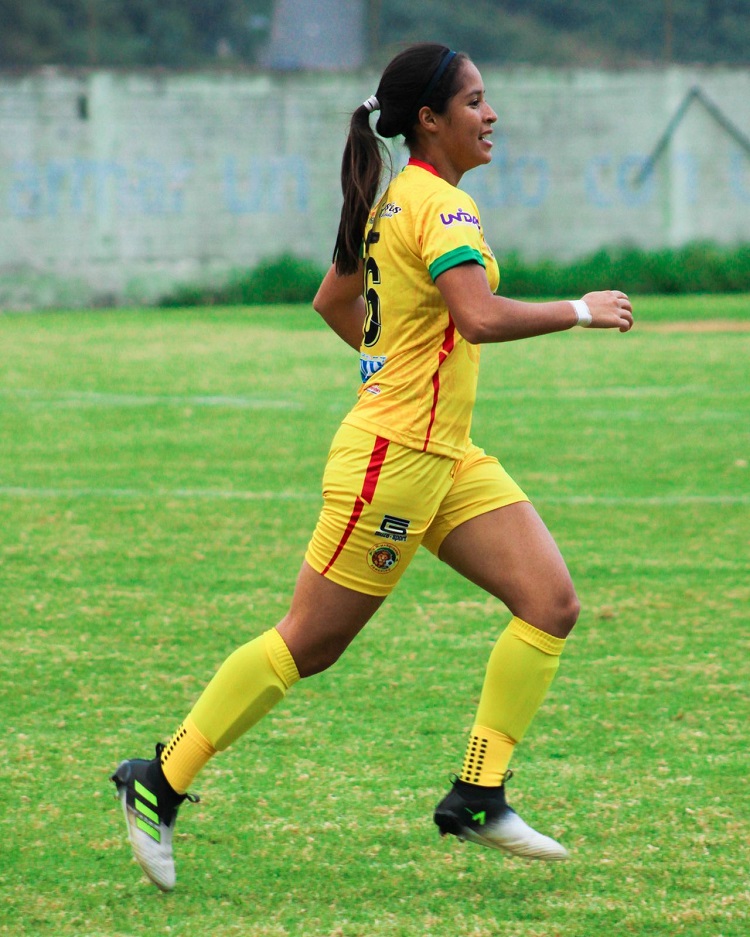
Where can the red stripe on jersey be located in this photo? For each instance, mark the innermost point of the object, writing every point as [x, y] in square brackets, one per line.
[449, 342]
[428, 166]
[372, 473]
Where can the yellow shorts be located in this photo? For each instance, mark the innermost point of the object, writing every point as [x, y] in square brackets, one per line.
[382, 500]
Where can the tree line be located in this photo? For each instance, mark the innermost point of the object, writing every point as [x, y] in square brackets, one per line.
[123, 33]
[199, 33]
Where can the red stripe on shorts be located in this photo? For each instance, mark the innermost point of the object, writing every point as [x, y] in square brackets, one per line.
[373, 469]
[372, 473]
[449, 341]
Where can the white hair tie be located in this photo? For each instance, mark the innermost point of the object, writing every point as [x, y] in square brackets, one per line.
[372, 103]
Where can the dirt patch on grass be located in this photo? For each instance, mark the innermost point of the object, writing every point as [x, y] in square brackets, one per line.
[700, 325]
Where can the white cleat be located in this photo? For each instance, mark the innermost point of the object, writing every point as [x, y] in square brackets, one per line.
[481, 815]
[150, 815]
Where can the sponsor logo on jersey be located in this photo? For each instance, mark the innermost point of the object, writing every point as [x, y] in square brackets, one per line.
[389, 210]
[383, 557]
[395, 528]
[460, 217]
[373, 389]
[369, 365]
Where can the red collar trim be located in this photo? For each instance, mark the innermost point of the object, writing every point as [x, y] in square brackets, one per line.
[427, 166]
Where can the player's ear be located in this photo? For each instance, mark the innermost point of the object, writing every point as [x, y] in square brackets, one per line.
[426, 119]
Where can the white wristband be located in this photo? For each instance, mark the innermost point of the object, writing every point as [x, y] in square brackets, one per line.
[582, 312]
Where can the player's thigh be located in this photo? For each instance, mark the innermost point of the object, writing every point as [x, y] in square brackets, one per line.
[489, 532]
[323, 619]
[480, 484]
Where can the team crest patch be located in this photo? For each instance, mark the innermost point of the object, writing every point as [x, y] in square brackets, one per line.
[383, 557]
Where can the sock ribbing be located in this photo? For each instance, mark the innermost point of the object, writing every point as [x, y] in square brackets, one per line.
[281, 658]
[249, 683]
[547, 643]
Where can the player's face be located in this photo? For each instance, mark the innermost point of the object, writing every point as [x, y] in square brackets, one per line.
[468, 123]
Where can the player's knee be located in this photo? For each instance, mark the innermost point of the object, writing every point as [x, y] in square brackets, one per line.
[567, 610]
[555, 612]
[317, 659]
[314, 653]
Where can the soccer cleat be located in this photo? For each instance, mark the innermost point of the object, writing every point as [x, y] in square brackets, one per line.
[150, 807]
[481, 815]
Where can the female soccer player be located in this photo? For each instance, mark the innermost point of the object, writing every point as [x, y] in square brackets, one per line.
[412, 288]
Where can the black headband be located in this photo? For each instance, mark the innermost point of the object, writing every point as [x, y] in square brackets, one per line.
[445, 61]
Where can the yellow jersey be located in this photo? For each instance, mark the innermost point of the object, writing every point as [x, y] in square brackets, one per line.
[419, 376]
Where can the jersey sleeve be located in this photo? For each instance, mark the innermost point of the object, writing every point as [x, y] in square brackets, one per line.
[449, 232]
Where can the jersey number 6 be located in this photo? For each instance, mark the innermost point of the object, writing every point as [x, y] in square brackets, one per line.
[372, 321]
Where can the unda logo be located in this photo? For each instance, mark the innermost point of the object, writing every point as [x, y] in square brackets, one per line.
[460, 217]
[394, 528]
[383, 557]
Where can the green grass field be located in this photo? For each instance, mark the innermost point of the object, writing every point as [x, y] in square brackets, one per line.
[159, 478]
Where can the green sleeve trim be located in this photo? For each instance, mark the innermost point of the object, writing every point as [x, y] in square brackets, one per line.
[459, 255]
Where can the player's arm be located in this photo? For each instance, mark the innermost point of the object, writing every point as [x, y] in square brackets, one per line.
[481, 317]
[340, 302]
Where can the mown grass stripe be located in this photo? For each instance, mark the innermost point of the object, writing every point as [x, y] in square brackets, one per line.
[209, 494]
[212, 494]
[74, 399]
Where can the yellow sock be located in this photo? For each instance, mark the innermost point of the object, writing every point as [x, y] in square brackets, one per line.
[185, 755]
[249, 683]
[520, 669]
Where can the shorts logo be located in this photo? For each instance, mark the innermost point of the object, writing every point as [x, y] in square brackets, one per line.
[395, 528]
[383, 557]
[460, 217]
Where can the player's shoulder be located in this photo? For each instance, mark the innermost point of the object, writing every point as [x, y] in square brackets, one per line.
[418, 184]
[427, 188]
[449, 208]
[425, 202]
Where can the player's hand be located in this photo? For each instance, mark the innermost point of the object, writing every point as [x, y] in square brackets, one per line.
[610, 309]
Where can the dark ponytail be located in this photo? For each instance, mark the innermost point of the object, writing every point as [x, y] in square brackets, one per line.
[406, 86]
[361, 169]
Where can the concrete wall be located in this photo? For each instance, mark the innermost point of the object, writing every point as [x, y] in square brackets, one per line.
[115, 186]
[324, 35]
